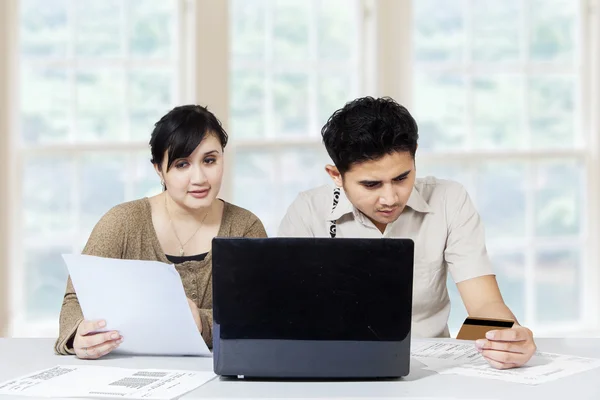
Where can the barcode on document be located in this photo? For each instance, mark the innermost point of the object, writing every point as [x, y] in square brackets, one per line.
[134, 383]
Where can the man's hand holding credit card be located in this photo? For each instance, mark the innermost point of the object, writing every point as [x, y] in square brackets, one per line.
[503, 343]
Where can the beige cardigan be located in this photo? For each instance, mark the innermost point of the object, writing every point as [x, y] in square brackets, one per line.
[127, 232]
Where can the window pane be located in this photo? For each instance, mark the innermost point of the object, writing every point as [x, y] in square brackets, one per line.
[497, 112]
[98, 28]
[256, 186]
[290, 30]
[337, 27]
[151, 95]
[44, 105]
[303, 169]
[151, 25]
[146, 182]
[440, 111]
[439, 30]
[44, 28]
[552, 110]
[46, 277]
[553, 30]
[247, 92]
[102, 186]
[501, 198]
[496, 26]
[335, 90]
[100, 105]
[558, 287]
[247, 26]
[291, 104]
[559, 198]
[47, 201]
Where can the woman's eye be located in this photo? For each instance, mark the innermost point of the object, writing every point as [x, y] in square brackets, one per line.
[210, 160]
[181, 164]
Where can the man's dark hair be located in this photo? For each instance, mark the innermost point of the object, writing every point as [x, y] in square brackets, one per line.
[367, 129]
[181, 130]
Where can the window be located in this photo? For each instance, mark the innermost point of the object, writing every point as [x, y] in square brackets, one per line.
[292, 64]
[500, 97]
[94, 77]
[503, 91]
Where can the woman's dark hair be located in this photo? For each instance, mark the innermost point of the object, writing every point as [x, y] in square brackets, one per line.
[181, 130]
[368, 129]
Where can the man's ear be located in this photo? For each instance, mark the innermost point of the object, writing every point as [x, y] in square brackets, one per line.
[334, 173]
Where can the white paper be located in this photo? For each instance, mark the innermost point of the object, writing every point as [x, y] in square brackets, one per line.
[439, 355]
[542, 368]
[143, 300]
[97, 381]
[463, 359]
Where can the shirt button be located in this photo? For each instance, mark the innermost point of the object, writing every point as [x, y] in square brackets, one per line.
[191, 269]
[193, 281]
[194, 295]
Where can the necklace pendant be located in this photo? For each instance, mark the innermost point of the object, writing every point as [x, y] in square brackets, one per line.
[181, 252]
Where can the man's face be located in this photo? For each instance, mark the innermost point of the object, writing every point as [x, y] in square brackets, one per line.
[380, 188]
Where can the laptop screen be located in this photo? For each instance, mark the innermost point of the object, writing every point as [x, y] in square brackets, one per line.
[313, 288]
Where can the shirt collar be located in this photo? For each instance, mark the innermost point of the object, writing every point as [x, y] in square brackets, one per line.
[417, 202]
[344, 206]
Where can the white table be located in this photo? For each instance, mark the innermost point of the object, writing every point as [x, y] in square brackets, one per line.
[23, 356]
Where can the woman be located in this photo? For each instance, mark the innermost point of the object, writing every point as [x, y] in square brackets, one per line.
[176, 226]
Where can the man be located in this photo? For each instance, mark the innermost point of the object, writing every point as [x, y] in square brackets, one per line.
[372, 143]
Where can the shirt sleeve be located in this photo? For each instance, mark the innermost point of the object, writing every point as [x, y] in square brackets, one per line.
[296, 222]
[465, 253]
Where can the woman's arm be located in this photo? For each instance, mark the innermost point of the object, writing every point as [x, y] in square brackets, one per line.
[106, 240]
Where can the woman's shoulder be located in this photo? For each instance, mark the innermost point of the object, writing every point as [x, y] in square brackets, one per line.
[126, 214]
[238, 213]
[240, 219]
[130, 210]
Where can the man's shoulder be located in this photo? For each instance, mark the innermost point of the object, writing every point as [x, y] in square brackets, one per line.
[319, 197]
[432, 183]
[440, 191]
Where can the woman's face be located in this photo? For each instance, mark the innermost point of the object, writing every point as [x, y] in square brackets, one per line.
[194, 182]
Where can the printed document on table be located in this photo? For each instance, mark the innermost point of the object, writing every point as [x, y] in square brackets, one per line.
[542, 368]
[437, 355]
[143, 300]
[111, 382]
[462, 358]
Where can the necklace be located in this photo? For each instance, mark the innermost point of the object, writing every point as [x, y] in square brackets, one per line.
[182, 245]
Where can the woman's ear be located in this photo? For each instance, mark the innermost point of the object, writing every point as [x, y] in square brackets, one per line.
[160, 176]
[158, 171]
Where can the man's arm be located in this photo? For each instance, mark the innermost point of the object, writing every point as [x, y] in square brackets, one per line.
[481, 297]
[469, 263]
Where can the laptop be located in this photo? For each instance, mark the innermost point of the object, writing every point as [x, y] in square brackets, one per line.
[312, 307]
